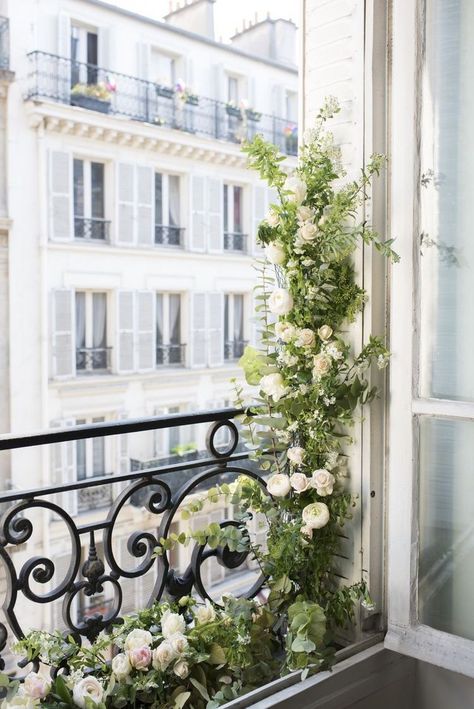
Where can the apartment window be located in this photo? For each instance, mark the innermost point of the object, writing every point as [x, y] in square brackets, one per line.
[233, 90]
[92, 352]
[234, 343]
[84, 55]
[168, 231]
[91, 463]
[169, 348]
[89, 201]
[163, 67]
[291, 106]
[234, 238]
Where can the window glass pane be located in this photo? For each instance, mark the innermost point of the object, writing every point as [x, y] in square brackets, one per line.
[175, 319]
[98, 452]
[159, 318]
[78, 188]
[92, 57]
[99, 323]
[447, 207]
[238, 318]
[158, 198]
[237, 209]
[226, 208]
[233, 89]
[173, 197]
[81, 457]
[97, 190]
[174, 433]
[80, 320]
[226, 318]
[446, 500]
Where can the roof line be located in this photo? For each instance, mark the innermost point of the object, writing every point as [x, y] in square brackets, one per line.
[190, 35]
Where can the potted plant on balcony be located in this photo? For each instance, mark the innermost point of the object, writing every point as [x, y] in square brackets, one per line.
[164, 91]
[185, 95]
[291, 139]
[233, 110]
[253, 115]
[95, 97]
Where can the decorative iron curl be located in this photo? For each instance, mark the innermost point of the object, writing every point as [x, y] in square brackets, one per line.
[211, 436]
[91, 626]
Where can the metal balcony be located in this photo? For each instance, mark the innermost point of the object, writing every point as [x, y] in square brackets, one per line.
[94, 498]
[102, 90]
[93, 360]
[171, 355]
[169, 235]
[4, 43]
[91, 229]
[235, 241]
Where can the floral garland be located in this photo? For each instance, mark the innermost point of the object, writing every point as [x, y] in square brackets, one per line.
[308, 385]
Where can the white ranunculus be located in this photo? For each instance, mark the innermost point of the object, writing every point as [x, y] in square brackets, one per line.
[323, 482]
[205, 614]
[316, 515]
[305, 338]
[179, 643]
[321, 365]
[275, 253]
[272, 218]
[299, 482]
[325, 332]
[172, 623]
[273, 386]
[278, 485]
[20, 700]
[137, 638]
[121, 666]
[36, 686]
[87, 688]
[304, 214]
[296, 455]
[296, 189]
[280, 302]
[140, 657]
[285, 331]
[181, 669]
[307, 531]
[163, 655]
[308, 232]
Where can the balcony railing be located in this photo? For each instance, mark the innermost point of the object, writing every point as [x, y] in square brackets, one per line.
[170, 355]
[32, 572]
[235, 241]
[91, 229]
[169, 235]
[93, 359]
[234, 349]
[59, 79]
[4, 43]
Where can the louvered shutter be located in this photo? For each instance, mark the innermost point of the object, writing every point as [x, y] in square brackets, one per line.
[214, 215]
[125, 331]
[60, 81]
[105, 47]
[126, 204]
[198, 330]
[144, 211]
[215, 328]
[145, 320]
[198, 213]
[60, 182]
[63, 340]
[259, 212]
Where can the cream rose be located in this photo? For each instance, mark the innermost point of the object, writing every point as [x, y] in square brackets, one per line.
[36, 686]
[323, 482]
[163, 655]
[296, 189]
[181, 669]
[305, 338]
[325, 332]
[296, 455]
[273, 386]
[285, 331]
[172, 623]
[121, 666]
[137, 638]
[316, 515]
[179, 643]
[205, 614]
[140, 657]
[275, 253]
[20, 700]
[299, 482]
[321, 365]
[278, 485]
[280, 302]
[272, 218]
[304, 214]
[308, 232]
[87, 688]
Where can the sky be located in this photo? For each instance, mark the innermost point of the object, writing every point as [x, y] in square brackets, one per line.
[229, 14]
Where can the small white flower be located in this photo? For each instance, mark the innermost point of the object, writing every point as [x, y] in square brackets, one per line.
[87, 688]
[273, 386]
[329, 400]
[285, 331]
[325, 332]
[305, 338]
[280, 302]
[172, 623]
[382, 361]
[121, 666]
[321, 365]
[315, 515]
[296, 455]
[272, 218]
[299, 482]
[293, 427]
[179, 643]
[181, 669]
[334, 352]
[368, 605]
[163, 655]
[323, 482]
[137, 638]
[205, 614]
[36, 686]
[296, 189]
[278, 485]
[304, 214]
[308, 232]
[275, 253]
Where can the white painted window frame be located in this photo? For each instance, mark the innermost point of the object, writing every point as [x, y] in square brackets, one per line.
[231, 314]
[165, 200]
[166, 314]
[89, 446]
[87, 172]
[405, 633]
[89, 317]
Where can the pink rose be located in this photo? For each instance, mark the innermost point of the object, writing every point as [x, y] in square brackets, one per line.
[140, 657]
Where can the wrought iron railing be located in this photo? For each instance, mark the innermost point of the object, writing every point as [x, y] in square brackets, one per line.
[32, 573]
[93, 359]
[234, 349]
[170, 355]
[60, 79]
[168, 235]
[4, 43]
[235, 241]
[91, 229]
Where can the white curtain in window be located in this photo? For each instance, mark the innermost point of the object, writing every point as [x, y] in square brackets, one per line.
[173, 198]
[175, 318]
[238, 318]
[159, 319]
[99, 336]
[80, 320]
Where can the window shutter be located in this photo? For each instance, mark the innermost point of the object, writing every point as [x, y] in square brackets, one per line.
[215, 328]
[63, 340]
[126, 204]
[105, 47]
[145, 320]
[198, 216]
[63, 468]
[145, 184]
[259, 212]
[64, 35]
[214, 215]
[198, 330]
[61, 212]
[125, 332]
[143, 61]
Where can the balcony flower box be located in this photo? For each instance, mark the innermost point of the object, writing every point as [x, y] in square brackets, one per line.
[252, 115]
[192, 100]
[164, 91]
[94, 97]
[233, 111]
[91, 103]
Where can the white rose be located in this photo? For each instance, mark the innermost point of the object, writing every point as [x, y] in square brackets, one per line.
[137, 638]
[280, 302]
[275, 253]
[163, 655]
[121, 666]
[205, 614]
[172, 623]
[316, 515]
[278, 485]
[20, 700]
[273, 386]
[179, 643]
[321, 365]
[296, 189]
[305, 338]
[87, 688]
[36, 686]
[140, 657]
[308, 232]
[272, 218]
[181, 669]
[285, 331]
[296, 455]
[323, 482]
[299, 482]
[304, 214]
[307, 531]
[325, 332]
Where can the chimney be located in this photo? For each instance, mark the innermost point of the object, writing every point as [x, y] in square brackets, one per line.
[193, 15]
[269, 39]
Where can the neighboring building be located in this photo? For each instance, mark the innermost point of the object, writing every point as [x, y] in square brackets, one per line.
[131, 229]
